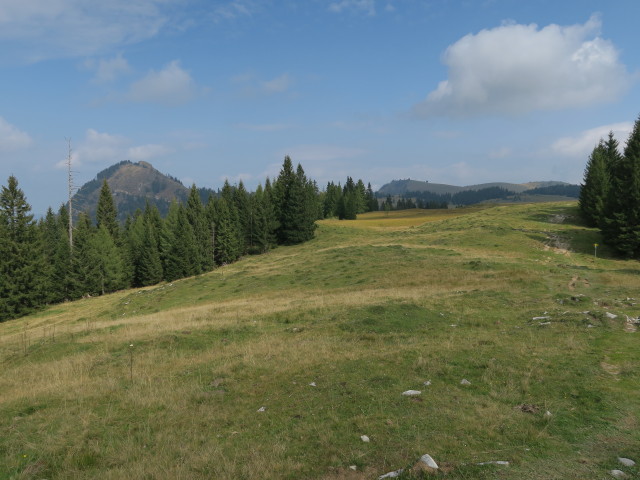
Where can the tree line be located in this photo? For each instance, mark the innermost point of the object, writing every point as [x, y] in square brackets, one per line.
[610, 195]
[41, 264]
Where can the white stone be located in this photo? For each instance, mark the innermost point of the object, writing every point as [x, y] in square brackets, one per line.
[618, 474]
[312, 384]
[611, 315]
[627, 462]
[464, 381]
[395, 474]
[412, 393]
[494, 462]
[548, 414]
[262, 409]
[353, 467]
[428, 461]
[427, 383]
[364, 438]
[541, 318]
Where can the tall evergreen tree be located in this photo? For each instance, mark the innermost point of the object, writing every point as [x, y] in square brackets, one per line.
[196, 217]
[595, 189]
[106, 212]
[621, 228]
[182, 258]
[21, 256]
[296, 205]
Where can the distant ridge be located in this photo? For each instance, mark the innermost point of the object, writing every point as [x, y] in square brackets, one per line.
[402, 187]
[132, 186]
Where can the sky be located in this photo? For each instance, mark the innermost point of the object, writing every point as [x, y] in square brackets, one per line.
[449, 91]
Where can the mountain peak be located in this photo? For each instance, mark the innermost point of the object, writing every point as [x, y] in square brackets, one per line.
[132, 186]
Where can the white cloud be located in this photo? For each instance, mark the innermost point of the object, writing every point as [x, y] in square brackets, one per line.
[38, 29]
[367, 6]
[499, 153]
[170, 86]
[108, 70]
[234, 9]
[277, 85]
[583, 144]
[103, 148]
[520, 68]
[12, 138]
[145, 152]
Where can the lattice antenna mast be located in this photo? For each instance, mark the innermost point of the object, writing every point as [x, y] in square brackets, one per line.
[70, 186]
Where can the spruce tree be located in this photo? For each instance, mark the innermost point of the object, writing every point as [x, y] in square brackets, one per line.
[196, 217]
[106, 212]
[227, 247]
[182, 258]
[109, 267]
[595, 189]
[296, 205]
[621, 228]
[21, 257]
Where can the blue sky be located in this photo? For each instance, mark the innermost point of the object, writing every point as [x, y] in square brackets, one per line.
[449, 91]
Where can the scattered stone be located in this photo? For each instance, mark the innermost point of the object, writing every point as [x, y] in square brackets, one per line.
[627, 462]
[427, 383]
[464, 381]
[428, 461]
[393, 474]
[313, 384]
[633, 321]
[453, 325]
[548, 414]
[353, 467]
[544, 323]
[528, 408]
[611, 315]
[591, 326]
[412, 393]
[364, 438]
[618, 474]
[494, 462]
[541, 318]
[262, 409]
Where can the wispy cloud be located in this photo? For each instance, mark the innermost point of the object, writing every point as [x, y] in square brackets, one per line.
[102, 148]
[251, 85]
[520, 68]
[366, 6]
[235, 9]
[12, 138]
[277, 85]
[108, 70]
[170, 86]
[40, 29]
[582, 144]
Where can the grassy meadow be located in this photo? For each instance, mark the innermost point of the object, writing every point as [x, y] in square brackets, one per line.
[168, 381]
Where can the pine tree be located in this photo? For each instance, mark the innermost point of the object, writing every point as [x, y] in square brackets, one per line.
[106, 212]
[84, 270]
[595, 189]
[227, 247]
[196, 217]
[621, 228]
[21, 257]
[182, 258]
[296, 205]
[109, 267]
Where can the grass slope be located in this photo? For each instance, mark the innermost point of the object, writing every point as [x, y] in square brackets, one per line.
[166, 382]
